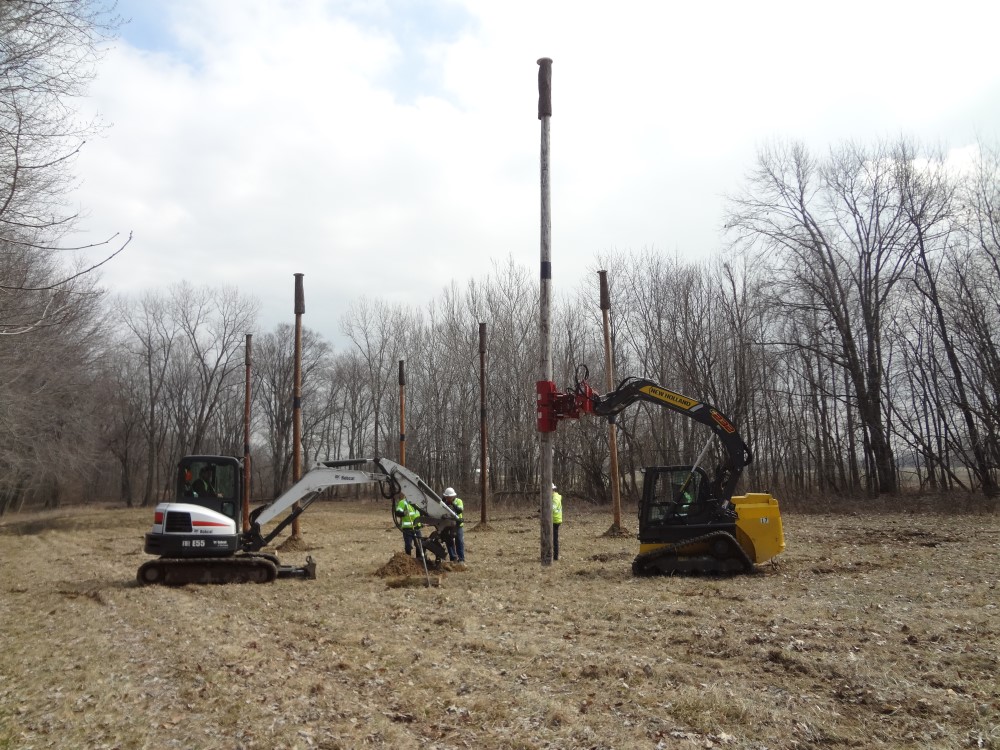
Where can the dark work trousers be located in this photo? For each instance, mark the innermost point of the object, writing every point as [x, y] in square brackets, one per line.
[555, 540]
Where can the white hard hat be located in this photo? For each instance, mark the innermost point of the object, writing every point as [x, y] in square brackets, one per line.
[449, 492]
[553, 486]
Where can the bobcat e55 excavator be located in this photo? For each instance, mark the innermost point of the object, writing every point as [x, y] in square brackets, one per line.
[196, 539]
[687, 522]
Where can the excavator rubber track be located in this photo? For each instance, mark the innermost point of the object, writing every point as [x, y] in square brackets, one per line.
[716, 552]
[250, 568]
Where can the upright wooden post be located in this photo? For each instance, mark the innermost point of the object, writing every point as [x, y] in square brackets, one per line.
[483, 469]
[246, 437]
[402, 414]
[545, 441]
[300, 308]
[609, 382]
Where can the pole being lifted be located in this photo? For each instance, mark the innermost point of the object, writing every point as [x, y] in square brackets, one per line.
[300, 308]
[609, 382]
[545, 437]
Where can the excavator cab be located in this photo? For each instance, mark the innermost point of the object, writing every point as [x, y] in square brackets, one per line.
[213, 482]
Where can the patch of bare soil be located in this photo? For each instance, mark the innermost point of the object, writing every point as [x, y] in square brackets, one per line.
[869, 632]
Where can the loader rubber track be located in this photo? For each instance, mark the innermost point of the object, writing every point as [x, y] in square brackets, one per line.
[717, 552]
[180, 571]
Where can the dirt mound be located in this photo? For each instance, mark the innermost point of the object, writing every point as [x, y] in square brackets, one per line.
[295, 544]
[400, 564]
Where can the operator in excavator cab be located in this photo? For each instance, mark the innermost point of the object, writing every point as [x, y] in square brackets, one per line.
[202, 486]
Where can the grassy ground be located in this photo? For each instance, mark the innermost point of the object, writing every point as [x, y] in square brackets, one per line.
[868, 632]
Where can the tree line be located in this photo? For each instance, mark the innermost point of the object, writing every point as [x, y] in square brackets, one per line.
[848, 331]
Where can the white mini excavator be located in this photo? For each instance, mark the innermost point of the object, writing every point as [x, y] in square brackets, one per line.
[197, 537]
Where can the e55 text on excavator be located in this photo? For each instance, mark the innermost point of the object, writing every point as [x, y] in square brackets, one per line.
[196, 536]
[688, 523]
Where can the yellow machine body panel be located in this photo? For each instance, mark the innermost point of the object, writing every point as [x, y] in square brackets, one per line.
[758, 529]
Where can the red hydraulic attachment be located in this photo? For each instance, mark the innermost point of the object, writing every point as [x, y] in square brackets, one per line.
[553, 406]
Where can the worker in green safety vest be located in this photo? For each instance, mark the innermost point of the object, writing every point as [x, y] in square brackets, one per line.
[408, 520]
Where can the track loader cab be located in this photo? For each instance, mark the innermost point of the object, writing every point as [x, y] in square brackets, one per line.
[684, 527]
[676, 501]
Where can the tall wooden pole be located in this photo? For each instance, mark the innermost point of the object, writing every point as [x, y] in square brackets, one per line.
[545, 438]
[483, 469]
[609, 382]
[402, 414]
[300, 308]
[246, 437]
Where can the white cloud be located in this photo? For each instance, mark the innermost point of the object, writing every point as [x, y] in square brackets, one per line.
[384, 150]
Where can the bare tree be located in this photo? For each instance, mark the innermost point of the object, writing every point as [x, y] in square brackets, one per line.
[48, 53]
[213, 323]
[928, 196]
[49, 386]
[152, 338]
[511, 313]
[838, 242]
[374, 327]
[273, 391]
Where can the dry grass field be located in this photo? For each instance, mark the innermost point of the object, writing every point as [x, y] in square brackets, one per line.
[869, 632]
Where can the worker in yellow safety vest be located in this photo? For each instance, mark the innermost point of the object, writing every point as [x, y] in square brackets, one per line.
[408, 520]
[556, 521]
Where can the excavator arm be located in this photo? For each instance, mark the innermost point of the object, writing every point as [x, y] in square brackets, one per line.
[393, 478]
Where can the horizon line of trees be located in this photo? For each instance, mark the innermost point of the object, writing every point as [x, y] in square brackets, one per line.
[848, 332]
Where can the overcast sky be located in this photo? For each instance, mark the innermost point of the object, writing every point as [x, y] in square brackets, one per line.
[385, 149]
